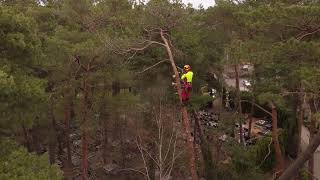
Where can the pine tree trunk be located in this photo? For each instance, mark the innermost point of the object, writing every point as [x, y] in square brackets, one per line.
[185, 117]
[250, 120]
[35, 140]
[276, 144]
[236, 68]
[53, 134]
[312, 131]
[84, 154]
[300, 120]
[300, 124]
[301, 160]
[105, 140]
[84, 138]
[67, 117]
[60, 146]
[105, 125]
[206, 150]
[26, 138]
[311, 160]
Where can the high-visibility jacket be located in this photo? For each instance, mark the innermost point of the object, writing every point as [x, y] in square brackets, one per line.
[187, 76]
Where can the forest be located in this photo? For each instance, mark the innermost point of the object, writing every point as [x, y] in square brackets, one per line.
[92, 90]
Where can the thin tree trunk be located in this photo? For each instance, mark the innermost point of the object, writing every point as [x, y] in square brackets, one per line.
[300, 124]
[300, 120]
[53, 136]
[105, 125]
[151, 163]
[84, 153]
[122, 140]
[67, 117]
[311, 160]
[26, 138]
[35, 139]
[60, 147]
[312, 131]
[186, 121]
[300, 112]
[276, 144]
[105, 140]
[236, 68]
[301, 160]
[84, 138]
[251, 118]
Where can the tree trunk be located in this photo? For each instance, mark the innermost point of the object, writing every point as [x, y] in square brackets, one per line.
[60, 146]
[122, 141]
[105, 140]
[115, 88]
[185, 117]
[300, 124]
[311, 160]
[36, 146]
[236, 68]
[251, 118]
[105, 125]
[305, 156]
[300, 119]
[53, 136]
[84, 154]
[276, 144]
[67, 117]
[84, 138]
[206, 151]
[300, 112]
[151, 163]
[312, 131]
[26, 138]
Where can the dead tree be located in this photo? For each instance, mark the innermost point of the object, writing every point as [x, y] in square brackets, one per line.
[160, 152]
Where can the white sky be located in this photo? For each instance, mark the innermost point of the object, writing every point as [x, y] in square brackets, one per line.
[196, 3]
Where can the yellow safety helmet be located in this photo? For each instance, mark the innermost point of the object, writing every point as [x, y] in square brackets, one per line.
[187, 67]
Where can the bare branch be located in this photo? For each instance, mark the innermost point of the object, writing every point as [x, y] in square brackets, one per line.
[269, 152]
[135, 170]
[169, 146]
[155, 160]
[263, 109]
[152, 66]
[308, 34]
[149, 43]
[143, 158]
[174, 157]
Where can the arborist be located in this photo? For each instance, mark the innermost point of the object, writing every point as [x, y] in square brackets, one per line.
[187, 83]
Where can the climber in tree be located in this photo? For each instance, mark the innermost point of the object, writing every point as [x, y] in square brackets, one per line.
[187, 82]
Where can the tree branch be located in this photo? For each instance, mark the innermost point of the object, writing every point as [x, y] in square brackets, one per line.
[308, 34]
[263, 109]
[152, 66]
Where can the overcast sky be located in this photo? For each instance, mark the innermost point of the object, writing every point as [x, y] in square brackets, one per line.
[196, 3]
